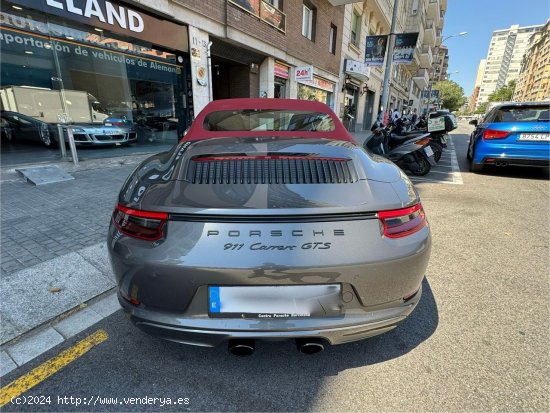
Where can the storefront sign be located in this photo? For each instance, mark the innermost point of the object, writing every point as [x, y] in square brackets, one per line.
[375, 50]
[114, 17]
[405, 43]
[303, 73]
[319, 83]
[357, 69]
[281, 70]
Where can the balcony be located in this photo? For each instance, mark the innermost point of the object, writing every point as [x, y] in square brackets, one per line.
[433, 9]
[439, 24]
[421, 78]
[429, 33]
[426, 56]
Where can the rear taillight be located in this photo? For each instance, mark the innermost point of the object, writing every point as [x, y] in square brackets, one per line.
[399, 223]
[146, 225]
[490, 134]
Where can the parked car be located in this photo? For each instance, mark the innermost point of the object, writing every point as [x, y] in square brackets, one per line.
[16, 127]
[113, 131]
[511, 134]
[267, 221]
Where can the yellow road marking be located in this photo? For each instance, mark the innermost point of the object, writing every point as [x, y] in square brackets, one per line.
[52, 366]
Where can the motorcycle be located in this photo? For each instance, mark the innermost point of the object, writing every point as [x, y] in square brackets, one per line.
[414, 154]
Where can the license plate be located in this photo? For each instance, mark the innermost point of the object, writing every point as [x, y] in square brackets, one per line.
[428, 150]
[269, 302]
[534, 137]
[108, 124]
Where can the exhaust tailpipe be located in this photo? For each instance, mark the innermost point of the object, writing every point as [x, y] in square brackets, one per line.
[309, 345]
[241, 348]
[504, 163]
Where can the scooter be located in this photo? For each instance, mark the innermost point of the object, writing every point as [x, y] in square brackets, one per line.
[414, 155]
[400, 134]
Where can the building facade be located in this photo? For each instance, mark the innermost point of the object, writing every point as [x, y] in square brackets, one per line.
[534, 78]
[156, 64]
[477, 84]
[504, 58]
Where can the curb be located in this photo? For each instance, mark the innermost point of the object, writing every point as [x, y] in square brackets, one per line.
[33, 343]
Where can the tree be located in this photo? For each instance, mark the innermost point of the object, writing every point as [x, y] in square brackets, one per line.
[451, 94]
[503, 94]
[481, 109]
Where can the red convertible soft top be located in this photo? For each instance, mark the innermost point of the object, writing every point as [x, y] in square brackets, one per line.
[197, 131]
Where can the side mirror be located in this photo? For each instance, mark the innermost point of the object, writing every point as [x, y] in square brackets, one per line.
[473, 122]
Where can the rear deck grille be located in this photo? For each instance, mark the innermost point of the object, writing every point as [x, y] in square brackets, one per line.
[271, 171]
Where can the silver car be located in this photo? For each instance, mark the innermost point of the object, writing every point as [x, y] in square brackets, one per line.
[268, 222]
[111, 132]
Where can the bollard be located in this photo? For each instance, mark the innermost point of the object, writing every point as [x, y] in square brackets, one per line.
[72, 145]
[61, 141]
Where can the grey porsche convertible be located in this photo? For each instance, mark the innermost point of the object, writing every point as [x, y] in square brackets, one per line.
[268, 222]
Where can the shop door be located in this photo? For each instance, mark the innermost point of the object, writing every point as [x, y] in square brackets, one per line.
[369, 110]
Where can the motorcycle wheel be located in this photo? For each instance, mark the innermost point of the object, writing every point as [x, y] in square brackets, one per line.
[422, 166]
[438, 150]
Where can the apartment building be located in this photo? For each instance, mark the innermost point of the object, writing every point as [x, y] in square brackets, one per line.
[504, 58]
[534, 78]
[477, 84]
[441, 64]
[362, 91]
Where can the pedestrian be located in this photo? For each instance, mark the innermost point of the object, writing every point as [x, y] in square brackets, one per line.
[395, 115]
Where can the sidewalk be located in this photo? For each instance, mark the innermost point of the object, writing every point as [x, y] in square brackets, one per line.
[53, 253]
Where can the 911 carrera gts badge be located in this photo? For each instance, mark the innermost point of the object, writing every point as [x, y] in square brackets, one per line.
[258, 246]
[235, 233]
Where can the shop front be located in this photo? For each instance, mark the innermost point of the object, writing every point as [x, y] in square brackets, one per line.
[117, 75]
[281, 75]
[313, 87]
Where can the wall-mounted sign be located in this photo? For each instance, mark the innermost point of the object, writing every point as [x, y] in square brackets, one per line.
[319, 83]
[358, 70]
[202, 75]
[115, 17]
[281, 70]
[302, 73]
[375, 50]
[405, 43]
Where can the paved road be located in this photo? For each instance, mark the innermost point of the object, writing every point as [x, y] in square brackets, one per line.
[478, 340]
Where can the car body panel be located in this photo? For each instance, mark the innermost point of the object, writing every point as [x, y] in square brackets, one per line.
[238, 225]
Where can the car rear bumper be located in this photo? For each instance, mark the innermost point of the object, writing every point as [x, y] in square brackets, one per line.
[353, 325]
[524, 154]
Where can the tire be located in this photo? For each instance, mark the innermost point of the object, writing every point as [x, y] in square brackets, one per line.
[437, 149]
[423, 166]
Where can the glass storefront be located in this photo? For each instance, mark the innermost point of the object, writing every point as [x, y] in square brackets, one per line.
[318, 89]
[115, 90]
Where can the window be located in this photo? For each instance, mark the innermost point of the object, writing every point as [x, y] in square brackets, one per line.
[278, 4]
[355, 27]
[308, 21]
[332, 39]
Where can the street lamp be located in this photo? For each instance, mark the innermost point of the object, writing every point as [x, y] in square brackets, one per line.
[437, 55]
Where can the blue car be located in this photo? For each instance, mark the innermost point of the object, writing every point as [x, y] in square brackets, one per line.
[516, 134]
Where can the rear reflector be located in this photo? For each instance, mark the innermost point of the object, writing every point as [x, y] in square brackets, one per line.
[399, 223]
[423, 142]
[490, 134]
[146, 225]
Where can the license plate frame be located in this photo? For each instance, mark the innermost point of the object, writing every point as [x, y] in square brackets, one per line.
[274, 301]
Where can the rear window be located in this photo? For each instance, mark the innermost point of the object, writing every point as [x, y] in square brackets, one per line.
[522, 114]
[268, 120]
